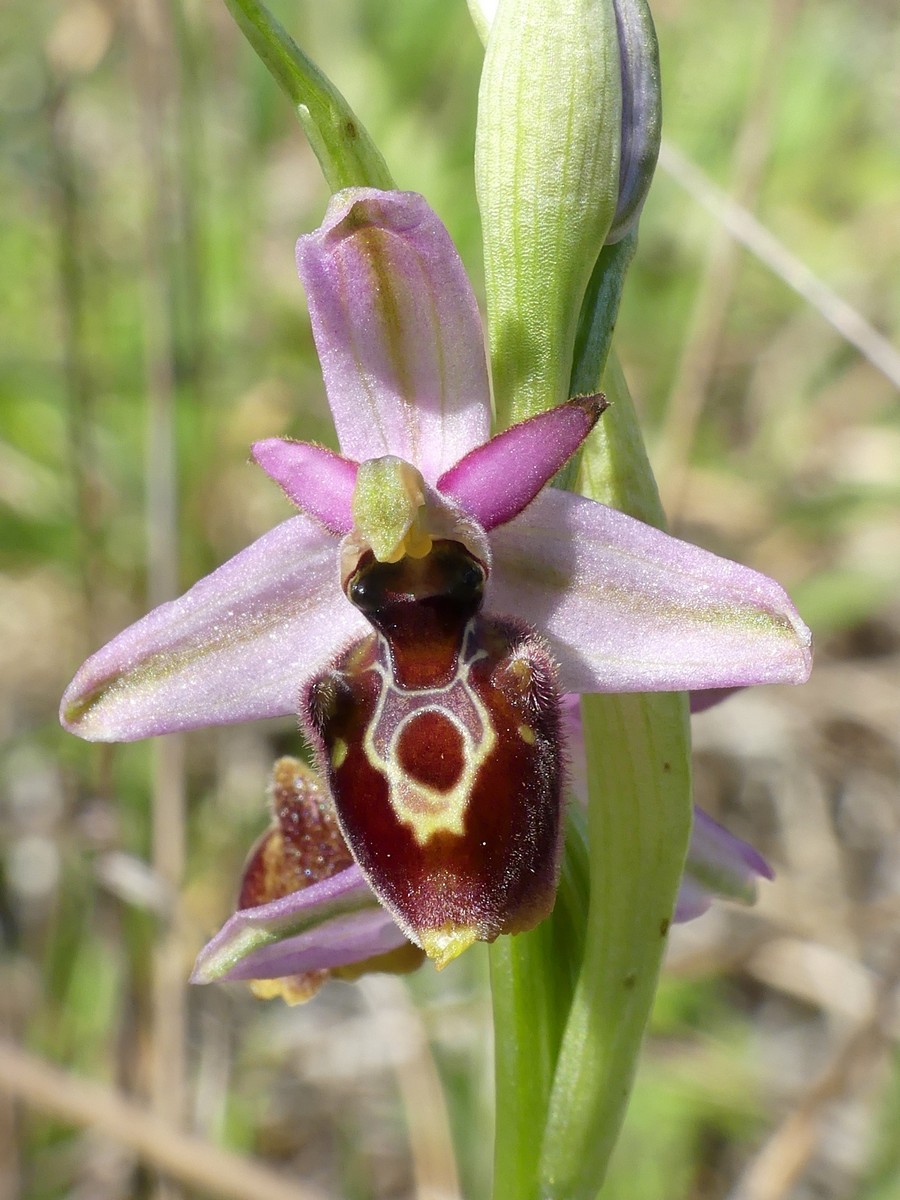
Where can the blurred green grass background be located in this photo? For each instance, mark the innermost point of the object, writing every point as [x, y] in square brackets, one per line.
[152, 185]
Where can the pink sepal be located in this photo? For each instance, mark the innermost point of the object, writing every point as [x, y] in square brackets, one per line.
[317, 480]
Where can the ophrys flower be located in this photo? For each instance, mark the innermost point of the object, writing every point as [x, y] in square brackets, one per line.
[433, 592]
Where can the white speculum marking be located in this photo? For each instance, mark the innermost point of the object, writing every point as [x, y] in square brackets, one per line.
[427, 810]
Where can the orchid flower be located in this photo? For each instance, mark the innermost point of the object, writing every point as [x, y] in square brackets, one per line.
[433, 598]
[305, 911]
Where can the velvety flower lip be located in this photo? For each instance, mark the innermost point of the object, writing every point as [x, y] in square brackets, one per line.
[623, 606]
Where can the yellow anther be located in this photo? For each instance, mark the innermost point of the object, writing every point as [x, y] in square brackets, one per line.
[389, 509]
[338, 753]
[295, 989]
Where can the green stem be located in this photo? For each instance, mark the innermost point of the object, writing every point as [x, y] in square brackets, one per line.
[533, 976]
[346, 152]
[638, 761]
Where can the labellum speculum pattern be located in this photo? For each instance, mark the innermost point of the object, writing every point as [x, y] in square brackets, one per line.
[440, 735]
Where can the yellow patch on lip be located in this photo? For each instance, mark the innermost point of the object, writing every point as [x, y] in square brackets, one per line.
[526, 733]
[338, 753]
[447, 942]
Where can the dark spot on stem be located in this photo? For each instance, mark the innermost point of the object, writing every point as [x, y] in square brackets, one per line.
[664, 927]
[630, 980]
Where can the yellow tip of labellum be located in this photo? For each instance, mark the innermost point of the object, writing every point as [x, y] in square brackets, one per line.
[448, 942]
[295, 989]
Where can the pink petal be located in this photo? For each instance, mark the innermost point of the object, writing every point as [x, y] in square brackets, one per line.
[627, 608]
[330, 924]
[692, 901]
[397, 330]
[239, 645]
[495, 482]
[317, 480]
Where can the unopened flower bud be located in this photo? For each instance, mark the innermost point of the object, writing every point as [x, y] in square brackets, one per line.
[547, 175]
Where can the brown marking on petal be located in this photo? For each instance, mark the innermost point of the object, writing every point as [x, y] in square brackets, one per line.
[430, 750]
[304, 843]
[592, 404]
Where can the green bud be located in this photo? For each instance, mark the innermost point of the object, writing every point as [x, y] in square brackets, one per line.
[547, 175]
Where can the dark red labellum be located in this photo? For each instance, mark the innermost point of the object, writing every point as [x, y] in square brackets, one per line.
[440, 739]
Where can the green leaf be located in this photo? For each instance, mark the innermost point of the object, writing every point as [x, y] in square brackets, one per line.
[346, 152]
[533, 977]
[638, 755]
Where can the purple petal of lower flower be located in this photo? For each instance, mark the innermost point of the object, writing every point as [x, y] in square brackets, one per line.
[317, 480]
[693, 901]
[628, 608]
[719, 865]
[331, 924]
[238, 646]
[715, 852]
